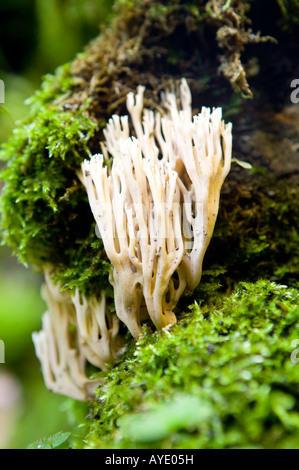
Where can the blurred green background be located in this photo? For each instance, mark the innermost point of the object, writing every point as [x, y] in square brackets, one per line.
[36, 36]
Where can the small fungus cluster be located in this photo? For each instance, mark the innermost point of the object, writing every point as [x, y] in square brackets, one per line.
[155, 207]
[75, 331]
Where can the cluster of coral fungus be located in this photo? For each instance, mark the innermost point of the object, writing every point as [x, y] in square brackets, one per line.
[155, 207]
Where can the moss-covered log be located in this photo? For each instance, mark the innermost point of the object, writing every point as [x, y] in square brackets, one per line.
[237, 365]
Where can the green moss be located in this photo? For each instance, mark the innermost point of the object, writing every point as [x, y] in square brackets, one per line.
[45, 212]
[222, 377]
[256, 234]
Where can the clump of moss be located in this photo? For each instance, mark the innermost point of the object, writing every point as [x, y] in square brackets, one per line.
[153, 39]
[45, 215]
[233, 34]
[222, 377]
[257, 232]
[45, 212]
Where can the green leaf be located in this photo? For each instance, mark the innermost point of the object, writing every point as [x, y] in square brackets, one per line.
[183, 412]
[245, 165]
[52, 442]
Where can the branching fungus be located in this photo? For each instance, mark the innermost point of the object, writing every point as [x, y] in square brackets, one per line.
[157, 204]
[155, 207]
[75, 331]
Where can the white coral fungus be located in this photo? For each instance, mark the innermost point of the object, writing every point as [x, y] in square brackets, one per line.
[156, 205]
[75, 331]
